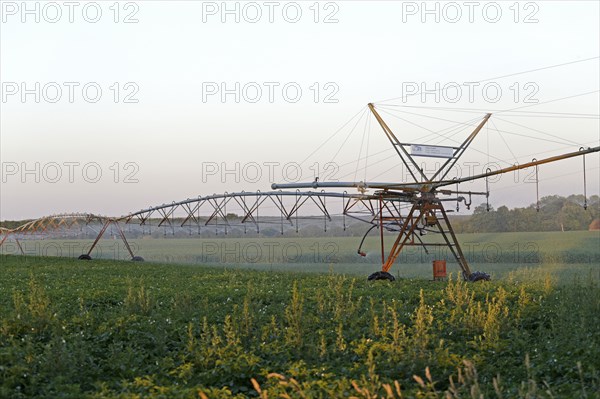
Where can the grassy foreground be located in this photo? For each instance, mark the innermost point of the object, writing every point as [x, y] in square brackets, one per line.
[104, 328]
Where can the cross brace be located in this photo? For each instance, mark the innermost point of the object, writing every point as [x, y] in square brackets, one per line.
[432, 214]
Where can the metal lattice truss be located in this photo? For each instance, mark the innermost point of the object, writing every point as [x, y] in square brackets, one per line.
[410, 210]
[64, 222]
[386, 210]
[47, 225]
[243, 209]
[56, 222]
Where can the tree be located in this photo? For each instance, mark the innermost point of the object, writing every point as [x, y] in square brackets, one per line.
[572, 216]
[502, 221]
[555, 213]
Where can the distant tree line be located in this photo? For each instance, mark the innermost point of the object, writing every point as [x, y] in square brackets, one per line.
[555, 213]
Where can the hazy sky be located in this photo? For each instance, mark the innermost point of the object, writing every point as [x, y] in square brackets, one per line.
[110, 107]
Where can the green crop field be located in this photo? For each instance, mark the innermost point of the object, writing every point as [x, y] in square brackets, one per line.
[107, 328]
[499, 254]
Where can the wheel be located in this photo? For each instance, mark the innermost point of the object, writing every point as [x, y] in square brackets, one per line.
[479, 276]
[381, 276]
[137, 259]
[84, 257]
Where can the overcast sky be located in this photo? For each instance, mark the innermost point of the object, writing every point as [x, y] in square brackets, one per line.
[112, 107]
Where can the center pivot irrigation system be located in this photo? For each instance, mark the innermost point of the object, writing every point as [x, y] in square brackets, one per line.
[411, 210]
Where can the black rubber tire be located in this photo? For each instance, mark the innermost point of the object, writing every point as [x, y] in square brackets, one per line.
[381, 276]
[84, 257]
[137, 259]
[479, 276]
